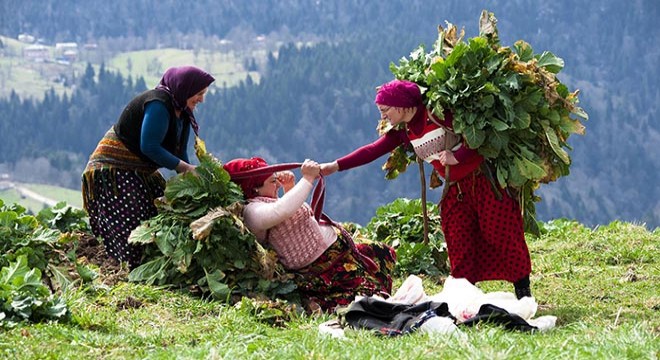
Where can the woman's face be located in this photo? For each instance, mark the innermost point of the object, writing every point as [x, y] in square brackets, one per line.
[270, 187]
[392, 114]
[196, 99]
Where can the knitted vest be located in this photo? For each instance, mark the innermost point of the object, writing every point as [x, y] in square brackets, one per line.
[129, 126]
[297, 240]
[431, 142]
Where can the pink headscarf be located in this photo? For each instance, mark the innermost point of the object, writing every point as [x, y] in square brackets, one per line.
[399, 93]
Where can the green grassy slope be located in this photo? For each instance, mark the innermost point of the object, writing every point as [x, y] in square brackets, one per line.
[31, 79]
[11, 195]
[602, 284]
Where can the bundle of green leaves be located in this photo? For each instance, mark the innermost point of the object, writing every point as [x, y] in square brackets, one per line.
[400, 224]
[507, 103]
[24, 297]
[38, 261]
[198, 240]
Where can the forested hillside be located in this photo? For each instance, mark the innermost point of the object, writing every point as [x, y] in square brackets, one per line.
[316, 100]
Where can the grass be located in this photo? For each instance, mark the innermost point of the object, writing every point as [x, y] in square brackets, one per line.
[31, 79]
[602, 284]
[11, 196]
[227, 68]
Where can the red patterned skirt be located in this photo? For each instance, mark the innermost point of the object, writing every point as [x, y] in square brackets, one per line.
[338, 275]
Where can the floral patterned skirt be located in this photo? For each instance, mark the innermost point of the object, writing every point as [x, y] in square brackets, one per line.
[339, 274]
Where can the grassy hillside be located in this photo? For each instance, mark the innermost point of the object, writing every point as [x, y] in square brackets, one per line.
[56, 193]
[29, 78]
[602, 284]
[227, 68]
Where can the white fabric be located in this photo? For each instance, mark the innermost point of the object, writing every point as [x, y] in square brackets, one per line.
[442, 325]
[464, 300]
[332, 328]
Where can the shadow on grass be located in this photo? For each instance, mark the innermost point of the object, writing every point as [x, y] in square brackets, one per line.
[566, 315]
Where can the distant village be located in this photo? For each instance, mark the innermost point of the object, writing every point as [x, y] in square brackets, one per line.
[62, 53]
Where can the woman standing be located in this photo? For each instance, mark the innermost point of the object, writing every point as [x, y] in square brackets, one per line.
[481, 222]
[121, 179]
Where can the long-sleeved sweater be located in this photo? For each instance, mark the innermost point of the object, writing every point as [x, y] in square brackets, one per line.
[288, 224]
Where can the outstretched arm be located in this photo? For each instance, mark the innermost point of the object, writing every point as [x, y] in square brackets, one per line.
[263, 216]
[366, 153]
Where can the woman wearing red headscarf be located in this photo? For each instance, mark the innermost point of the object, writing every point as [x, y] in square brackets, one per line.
[483, 230]
[331, 269]
[121, 179]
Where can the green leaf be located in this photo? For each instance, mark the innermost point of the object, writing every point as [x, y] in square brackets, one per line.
[150, 272]
[60, 278]
[551, 62]
[54, 309]
[141, 235]
[474, 137]
[219, 289]
[44, 235]
[529, 169]
[15, 272]
[86, 273]
[524, 50]
[554, 144]
[498, 125]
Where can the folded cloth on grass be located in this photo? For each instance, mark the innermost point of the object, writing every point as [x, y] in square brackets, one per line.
[459, 304]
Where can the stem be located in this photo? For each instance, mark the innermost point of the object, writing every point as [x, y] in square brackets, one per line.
[422, 178]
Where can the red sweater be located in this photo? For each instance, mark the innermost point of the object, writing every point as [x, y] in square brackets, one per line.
[418, 127]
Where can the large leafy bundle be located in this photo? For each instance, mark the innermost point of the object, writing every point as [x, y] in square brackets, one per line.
[400, 224]
[37, 258]
[198, 239]
[507, 103]
[24, 297]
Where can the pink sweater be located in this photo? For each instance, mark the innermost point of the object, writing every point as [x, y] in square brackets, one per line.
[288, 225]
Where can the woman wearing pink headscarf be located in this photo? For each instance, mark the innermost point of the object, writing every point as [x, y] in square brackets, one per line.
[483, 230]
[121, 179]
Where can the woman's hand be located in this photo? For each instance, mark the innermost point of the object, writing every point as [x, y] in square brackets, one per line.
[329, 168]
[184, 167]
[310, 170]
[287, 179]
[447, 158]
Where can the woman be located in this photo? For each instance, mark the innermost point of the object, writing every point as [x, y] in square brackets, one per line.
[331, 269]
[121, 179]
[482, 224]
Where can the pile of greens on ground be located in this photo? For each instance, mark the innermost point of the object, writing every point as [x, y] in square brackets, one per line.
[507, 103]
[38, 262]
[198, 240]
[400, 224]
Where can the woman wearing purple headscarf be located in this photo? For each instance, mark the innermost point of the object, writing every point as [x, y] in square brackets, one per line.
[481, 222]
[121, 179]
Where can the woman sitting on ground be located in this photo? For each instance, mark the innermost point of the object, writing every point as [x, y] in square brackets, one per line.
[331, 269]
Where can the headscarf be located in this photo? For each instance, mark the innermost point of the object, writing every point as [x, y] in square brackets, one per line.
[399, 93]
[182, 83]
[248, 185]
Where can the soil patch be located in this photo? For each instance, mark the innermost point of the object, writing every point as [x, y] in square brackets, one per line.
[91, 251]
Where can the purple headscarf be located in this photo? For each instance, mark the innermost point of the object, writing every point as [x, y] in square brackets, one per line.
[399, 93]
[182, 83]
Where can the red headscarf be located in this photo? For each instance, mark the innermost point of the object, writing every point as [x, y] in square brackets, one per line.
[248, 185]
[399, 93]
